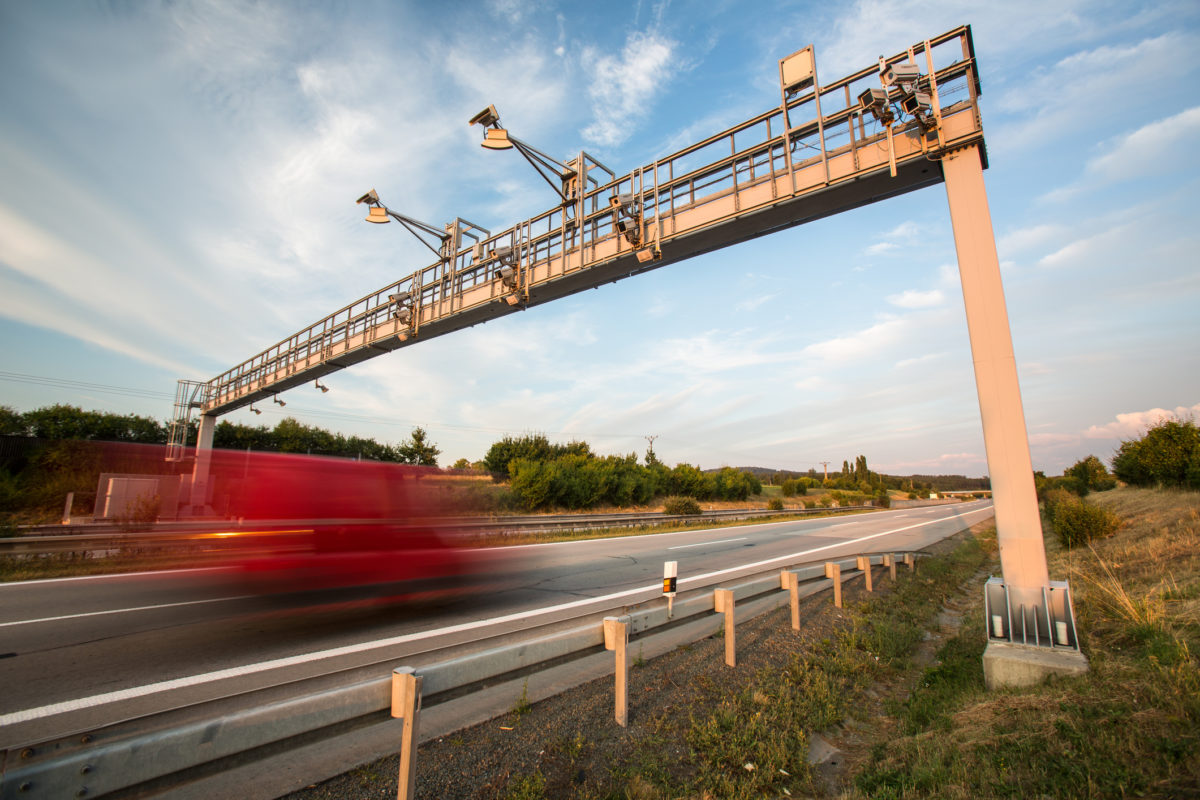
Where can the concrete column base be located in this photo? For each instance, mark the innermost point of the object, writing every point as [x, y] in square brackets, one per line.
[1017, 665]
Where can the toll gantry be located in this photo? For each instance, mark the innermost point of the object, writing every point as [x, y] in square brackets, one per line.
[823, 149]
[900, 124]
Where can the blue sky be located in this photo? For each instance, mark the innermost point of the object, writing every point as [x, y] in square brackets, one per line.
[178, 194]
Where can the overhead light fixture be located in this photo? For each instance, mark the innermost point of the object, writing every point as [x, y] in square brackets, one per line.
[554, 172]
[496, 139]
[379, 214]
[255, 410]
[317, 384]
[488, 118]
[277, 400]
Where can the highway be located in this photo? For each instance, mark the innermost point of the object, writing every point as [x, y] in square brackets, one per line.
[78, 653]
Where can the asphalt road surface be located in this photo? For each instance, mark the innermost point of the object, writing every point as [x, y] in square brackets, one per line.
[84, 647]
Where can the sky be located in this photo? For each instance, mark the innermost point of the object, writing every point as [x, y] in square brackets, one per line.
[177, 186]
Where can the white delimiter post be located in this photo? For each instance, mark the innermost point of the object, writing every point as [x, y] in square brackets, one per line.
[1018, 525]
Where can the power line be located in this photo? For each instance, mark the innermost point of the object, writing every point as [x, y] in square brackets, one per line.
[66, 383]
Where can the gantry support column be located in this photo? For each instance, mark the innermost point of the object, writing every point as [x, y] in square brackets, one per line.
[1018, 523]
[198, 497]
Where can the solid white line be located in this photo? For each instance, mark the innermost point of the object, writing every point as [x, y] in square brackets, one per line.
[702, 544]
[111, 576]
[279, 663]
[123, 610]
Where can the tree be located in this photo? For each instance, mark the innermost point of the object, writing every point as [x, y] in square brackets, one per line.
[12, 422]
[417, 450]
[1168, 455]
[1091, 472]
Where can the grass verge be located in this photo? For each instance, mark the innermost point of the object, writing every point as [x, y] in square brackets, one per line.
[1129, 728]
[750, 738]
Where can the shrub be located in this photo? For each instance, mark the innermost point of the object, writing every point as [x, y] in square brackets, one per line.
[1078, 523]
[680, 505]
[883, 500]
[795, 486]
[1092, 473]
[775, 504]
[1168, 455]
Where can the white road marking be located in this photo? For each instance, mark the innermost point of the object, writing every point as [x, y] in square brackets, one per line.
[111, 576]
[124, 610]
[279, 663]
[702, 544]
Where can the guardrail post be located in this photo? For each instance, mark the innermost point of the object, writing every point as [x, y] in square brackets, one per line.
[911, 561]
[616, 638]
[864, 564]
[889, 561]
[723, 604]
[790, 581]
[833, 570]
[406, 705]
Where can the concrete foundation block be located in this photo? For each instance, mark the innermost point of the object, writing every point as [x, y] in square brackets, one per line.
[1017, 665]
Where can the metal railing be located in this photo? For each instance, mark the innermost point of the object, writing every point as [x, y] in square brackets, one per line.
[799, 161]
[157, 753]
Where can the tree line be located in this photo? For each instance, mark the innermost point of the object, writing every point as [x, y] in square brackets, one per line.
[543, 474]
[65, 422]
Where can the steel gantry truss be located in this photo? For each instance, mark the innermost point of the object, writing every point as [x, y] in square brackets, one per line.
[819, 152]
[907, 122]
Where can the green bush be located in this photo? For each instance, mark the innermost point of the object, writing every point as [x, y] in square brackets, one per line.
[795, 486]
[680, 505]
[775, 504]
[1168, 455]
[1077, 523]
[883, 500]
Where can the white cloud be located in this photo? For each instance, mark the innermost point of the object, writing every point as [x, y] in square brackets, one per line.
[903, 234]
[1030, 238]
[1056, 102]
[912, 298]
[868, 342]
[1166, 145]
[623, 86]
[1086, 251]
[753, 302]
[1135, 423]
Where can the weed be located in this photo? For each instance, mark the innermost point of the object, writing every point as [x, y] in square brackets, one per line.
[527, 787]
[522, 706]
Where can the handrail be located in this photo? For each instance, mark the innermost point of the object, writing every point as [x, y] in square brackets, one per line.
[583, 237]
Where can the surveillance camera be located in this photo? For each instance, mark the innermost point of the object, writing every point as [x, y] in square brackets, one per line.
[901, 73]
[873, 97]
[917, 103]
[369, 197]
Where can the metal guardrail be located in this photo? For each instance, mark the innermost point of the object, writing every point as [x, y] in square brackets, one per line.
[106, 537]
[153, 754]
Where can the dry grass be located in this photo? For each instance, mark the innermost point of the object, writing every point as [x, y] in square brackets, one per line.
[1130, 727]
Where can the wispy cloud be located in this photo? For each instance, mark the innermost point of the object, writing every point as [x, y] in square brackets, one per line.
[898, 237]
[913, 298]
[623, 85]
[752, 303]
